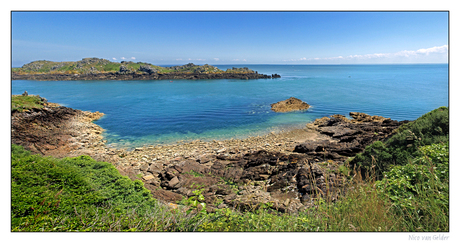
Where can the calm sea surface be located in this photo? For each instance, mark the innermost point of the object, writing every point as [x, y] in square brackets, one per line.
[152, 112]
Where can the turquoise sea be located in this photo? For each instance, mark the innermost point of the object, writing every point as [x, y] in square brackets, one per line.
[152, 112]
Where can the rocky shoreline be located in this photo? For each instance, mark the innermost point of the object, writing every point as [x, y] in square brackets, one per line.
[287, 170]
[141, 76]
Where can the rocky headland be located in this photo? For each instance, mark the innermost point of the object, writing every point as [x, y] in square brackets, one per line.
[102, 69]
[289, 169]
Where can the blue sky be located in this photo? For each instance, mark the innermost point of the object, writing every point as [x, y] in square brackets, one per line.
[232, 37]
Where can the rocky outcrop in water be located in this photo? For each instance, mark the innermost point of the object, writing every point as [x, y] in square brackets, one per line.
[291, 104]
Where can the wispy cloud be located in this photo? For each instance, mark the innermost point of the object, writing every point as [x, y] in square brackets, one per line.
[197, 59]
[216, 59]
[435, 53]
[133, 58]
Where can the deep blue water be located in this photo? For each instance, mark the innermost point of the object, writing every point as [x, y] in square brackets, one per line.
[151, 112]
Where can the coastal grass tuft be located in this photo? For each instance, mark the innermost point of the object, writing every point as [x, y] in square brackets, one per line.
[21, 103]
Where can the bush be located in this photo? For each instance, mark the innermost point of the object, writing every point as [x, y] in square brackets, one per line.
[430, 128]
[433, 127]
[375, 159]
[419, 190]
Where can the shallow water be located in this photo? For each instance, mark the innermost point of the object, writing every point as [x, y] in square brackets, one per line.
[152, 112]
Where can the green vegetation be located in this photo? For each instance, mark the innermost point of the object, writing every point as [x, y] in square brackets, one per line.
[80, 194]
[420, 189]
[430, 128]
[21, 103]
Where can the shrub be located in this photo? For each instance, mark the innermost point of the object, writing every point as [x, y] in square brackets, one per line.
[433, 127]
[419, 189]
[376, 158]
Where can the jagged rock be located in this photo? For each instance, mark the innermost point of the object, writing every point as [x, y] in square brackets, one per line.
[291, 104]
[147, 69]
[124, 70]
[173, 182]
[363, 117]
[148, 177]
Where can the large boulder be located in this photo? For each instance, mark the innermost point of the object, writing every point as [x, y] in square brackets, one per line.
[147, 69]
[291, 104]
[124, 70]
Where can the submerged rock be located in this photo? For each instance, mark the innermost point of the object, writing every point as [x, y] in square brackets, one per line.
[291, 104]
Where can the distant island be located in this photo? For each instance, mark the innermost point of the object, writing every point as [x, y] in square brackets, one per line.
[102, 69]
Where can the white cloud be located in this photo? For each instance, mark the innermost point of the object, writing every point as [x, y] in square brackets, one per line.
[216, 59]
[432, 54]
[133, 58]
[179, 59]
[114, 58]
[122, 58]
[436, 49]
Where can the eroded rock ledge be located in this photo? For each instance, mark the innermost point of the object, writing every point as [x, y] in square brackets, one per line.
[56, 130]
